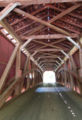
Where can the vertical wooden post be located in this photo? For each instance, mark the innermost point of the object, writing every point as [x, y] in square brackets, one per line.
[33, 79]
[25, 70]
[80, 70]
[65, 74]
[71, 69]
[34, 75]
[28, 79]
[62, 77]
[18, 71]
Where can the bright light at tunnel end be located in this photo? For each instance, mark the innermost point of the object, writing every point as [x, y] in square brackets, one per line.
[49, 77]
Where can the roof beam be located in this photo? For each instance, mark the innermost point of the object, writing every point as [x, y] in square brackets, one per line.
[24, 18]
[26, 43]
[50, 45]
[52, 36]
[61, 10]
[45, 23]
[33, 2]
[47, 61]
[47, 50]
[58, 41]
[55, 56]
[62, 51]
[63, 13]
[8, 9]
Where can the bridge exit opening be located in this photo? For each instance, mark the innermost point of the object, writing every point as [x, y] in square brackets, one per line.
[49, 77]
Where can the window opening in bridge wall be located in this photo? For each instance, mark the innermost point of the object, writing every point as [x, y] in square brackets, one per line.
[49, 77]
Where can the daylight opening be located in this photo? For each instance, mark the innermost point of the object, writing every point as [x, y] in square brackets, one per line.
[49, 77]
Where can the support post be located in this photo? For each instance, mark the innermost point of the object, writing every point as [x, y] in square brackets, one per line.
[18, 71]
[65, 74]
[28, 79]
[80, 70]
[71, 69]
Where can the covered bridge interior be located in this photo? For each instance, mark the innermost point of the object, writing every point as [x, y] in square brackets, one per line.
[38, 36]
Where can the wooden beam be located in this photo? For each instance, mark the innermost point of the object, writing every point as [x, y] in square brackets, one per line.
[45, 57]
[62, 51]
[71, 77]
[47, 61]
[58, 41]
[46, 44]
[63, 13]
[24, 71]
[47, 50]
[80, 60]
[37, 49]
[18, 71]
[28, 54]
[72, 51]
[26, 43]
[61, 10]
[69, 10]
[21, 12]
[28, 80]
[8, 67]
[10, 30]
[30, 24]
[10, 88]
[52, 36]
[8, 9]
[46, 54]
[33, 13]
[59, 49]
[33, 2]
[52, 56]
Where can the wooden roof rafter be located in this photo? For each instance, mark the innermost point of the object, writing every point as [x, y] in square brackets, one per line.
[33, 13]
[63, 13]
[41, 21]
[50, 45]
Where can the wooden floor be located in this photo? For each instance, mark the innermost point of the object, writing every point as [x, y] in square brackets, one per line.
[46, 102]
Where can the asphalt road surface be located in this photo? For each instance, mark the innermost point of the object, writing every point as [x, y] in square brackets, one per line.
[45, 102]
